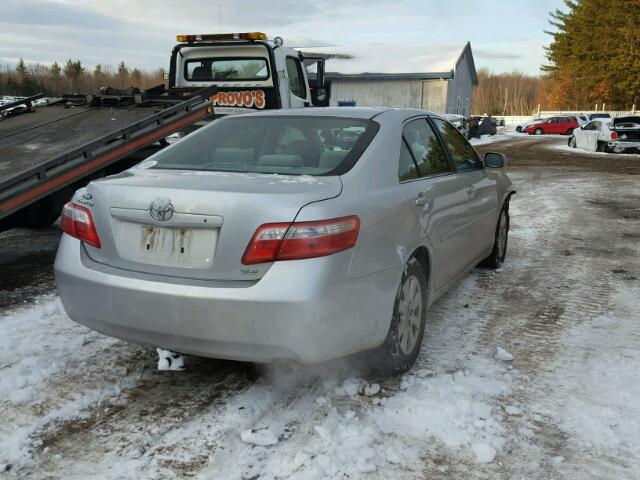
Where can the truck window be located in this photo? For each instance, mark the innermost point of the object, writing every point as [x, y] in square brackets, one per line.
[223, 69]
[296, 78]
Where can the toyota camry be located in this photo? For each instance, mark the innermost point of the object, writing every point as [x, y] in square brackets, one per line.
[303, 234]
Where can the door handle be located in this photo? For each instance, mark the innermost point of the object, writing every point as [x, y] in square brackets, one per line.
[421, 200]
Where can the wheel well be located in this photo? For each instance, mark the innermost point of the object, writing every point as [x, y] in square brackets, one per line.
[507, 200]
[422, 255]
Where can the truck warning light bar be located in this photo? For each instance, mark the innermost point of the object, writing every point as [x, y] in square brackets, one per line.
[221, 36]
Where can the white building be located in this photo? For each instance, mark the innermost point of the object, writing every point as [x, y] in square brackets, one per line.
[439, 78]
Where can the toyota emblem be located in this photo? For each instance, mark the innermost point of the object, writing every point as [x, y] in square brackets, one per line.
[161, 210]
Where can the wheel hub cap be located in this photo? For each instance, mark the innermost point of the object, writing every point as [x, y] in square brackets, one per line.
[410, 314]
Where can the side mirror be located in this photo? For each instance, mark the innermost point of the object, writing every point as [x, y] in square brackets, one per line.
[319, 96]
[494, 160]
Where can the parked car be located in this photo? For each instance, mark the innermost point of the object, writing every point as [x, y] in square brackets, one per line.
[520, 127]
[622, 134]
[458, 121]
[255, 239]
[599, 115]
[485, 125]
[560, 125]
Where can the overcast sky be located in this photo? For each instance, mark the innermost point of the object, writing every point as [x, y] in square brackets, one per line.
[505, 34]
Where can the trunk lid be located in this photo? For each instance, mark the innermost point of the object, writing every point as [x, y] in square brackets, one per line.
[193, 224]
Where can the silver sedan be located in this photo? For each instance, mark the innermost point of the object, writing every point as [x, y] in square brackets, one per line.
[302, 234]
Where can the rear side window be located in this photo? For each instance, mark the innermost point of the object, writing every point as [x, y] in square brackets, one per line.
[293, 145]
[460, 150]
[296, 78]
[407, 169]
[425, 148]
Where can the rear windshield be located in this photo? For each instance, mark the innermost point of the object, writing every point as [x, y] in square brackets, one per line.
[224, 69]
[292, 145]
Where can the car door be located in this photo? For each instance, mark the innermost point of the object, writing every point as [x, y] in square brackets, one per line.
[553, 126]
[297, 85]
[592, 132]
[481, 189]
[581, 135]
[436, 195]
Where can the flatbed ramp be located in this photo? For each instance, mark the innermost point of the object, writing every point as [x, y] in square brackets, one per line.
[46, 154]
[35, 138]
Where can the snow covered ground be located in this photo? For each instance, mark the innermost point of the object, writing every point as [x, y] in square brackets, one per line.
[532, 371]
[566, 148]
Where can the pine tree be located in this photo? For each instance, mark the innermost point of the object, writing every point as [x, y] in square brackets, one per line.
[55, 72]
[123, 71]
[136, 77]
[595, 54]
[73, 70]
[21, 68]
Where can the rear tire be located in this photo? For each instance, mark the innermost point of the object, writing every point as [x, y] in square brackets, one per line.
[572, 142]
[602, 147]
[496, 259]
[538, 131]
[400, 349]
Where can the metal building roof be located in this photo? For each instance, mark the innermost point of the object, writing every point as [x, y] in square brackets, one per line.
[394, 61]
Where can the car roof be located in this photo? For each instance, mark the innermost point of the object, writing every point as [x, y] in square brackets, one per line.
[347, 112]
[366, 113]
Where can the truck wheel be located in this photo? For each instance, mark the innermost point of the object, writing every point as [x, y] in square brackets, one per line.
[495, 260]
[401, 347]
[538, 131]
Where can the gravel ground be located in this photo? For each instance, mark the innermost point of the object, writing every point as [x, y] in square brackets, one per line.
[75, 404]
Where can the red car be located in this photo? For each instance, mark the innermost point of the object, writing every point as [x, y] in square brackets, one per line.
[561, 125]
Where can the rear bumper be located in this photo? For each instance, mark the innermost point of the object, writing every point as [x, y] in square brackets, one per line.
[306, 310]
[620, 146]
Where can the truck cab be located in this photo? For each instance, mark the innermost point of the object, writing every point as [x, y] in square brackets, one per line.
[250, 72]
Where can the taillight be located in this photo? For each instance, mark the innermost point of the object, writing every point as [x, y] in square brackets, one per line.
[78, 222]
[295, 241]
[614, 135]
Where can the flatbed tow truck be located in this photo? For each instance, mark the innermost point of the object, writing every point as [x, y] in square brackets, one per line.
[47, 152]
[45, 155]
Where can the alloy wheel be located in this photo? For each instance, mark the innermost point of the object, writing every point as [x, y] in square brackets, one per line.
[409, 314]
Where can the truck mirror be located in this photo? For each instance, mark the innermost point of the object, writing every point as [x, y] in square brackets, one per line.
[319, 96]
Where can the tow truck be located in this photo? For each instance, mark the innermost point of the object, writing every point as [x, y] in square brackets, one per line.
[250, 72]
[47, 152]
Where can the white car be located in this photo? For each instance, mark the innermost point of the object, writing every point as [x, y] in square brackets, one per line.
[604, 135]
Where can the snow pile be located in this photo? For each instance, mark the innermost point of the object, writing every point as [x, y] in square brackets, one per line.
[29, 348]
[356, 434]
[38, 344]
[502, 354]
[456, 409]
[598, 402]
[262, 437]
